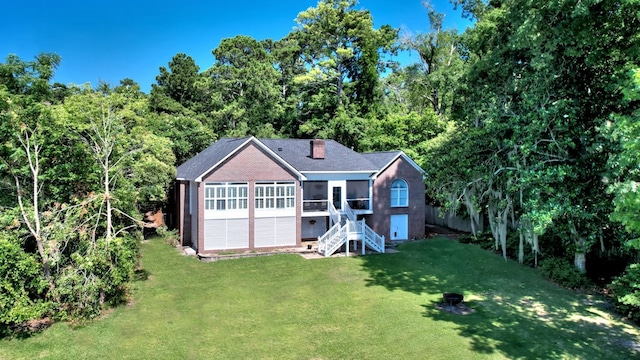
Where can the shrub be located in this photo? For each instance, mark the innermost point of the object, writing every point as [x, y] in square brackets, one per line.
[625, 292]
[466, 239]
[170, 237]
[21, 285]
[99, 276]
[564, 273]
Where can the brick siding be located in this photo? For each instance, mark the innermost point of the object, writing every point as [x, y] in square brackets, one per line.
[382, 210]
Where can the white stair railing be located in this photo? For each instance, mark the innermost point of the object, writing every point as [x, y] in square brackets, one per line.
[348, 212]
[334, 215]
[332, 239]
[337, 236]
[372, 239]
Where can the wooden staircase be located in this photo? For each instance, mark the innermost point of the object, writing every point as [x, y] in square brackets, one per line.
[346, 228]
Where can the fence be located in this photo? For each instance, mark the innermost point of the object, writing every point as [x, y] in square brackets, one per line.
[454, 222]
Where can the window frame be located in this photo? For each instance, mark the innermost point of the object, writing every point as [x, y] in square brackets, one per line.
[275, 195]
[396, 192]
[219, 197]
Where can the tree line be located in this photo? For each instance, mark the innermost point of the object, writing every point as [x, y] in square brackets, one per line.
[527, 119]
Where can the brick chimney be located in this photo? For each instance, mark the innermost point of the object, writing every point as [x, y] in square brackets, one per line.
[317, 149]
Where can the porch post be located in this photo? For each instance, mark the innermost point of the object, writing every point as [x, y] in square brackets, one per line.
[347, 242]
[363, 235]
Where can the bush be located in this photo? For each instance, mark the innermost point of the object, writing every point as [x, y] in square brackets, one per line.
[21, 285]
[564, 273]
[170, 237]
[625, 292]
[466, 239]
[483, 239]
[95, 278]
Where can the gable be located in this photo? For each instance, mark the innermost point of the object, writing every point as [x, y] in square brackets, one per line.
[250, 163]
[385, 159]
[400, 168]
[219, 153]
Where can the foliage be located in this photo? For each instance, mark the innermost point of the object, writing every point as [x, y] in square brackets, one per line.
[542, 80]
[75, 164]
[342, 52]
[177, 87]
[22, 287]
[171, 237]
[94, 276]
[625, 131]
[625, 292]
[432, 83]
[244, 87]
[562, 272]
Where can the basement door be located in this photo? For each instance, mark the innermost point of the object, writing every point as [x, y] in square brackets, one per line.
[399, 229]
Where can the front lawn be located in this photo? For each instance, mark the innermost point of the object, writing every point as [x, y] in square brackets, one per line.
[370, 307]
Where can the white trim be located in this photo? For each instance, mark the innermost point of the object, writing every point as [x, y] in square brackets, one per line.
[397, 192]
[260, 145]
[326, 176]
[264, 213]
[341, 172]
[226, 214]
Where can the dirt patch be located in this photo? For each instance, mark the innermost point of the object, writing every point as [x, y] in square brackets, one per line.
[32, 326]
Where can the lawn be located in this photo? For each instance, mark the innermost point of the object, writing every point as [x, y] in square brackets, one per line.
[371, 307]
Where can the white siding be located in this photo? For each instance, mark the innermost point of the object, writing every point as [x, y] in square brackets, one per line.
[221, 234]
[285, 231]
[275, 231]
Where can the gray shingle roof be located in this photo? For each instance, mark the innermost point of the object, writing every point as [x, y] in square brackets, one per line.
[210, 156]
[337, 157]
[296, 152]
[382, 158]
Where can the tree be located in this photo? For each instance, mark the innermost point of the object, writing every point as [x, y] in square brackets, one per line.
[625, 164]
[433, 81]
[177, 86]
[342, 53]
[544, 82]
[245, 87]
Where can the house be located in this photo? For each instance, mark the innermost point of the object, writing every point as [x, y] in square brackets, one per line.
[255, 194]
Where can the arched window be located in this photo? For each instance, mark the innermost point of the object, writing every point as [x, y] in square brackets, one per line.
[399, 193]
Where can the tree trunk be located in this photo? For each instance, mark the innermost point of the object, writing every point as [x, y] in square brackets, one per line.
[580, 257]
[107, 197]
[580, 260]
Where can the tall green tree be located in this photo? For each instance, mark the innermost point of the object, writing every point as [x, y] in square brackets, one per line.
[342, 52]
[545, 80]
[433, 81]
[246, 88]
[177, 86]
[625, 164]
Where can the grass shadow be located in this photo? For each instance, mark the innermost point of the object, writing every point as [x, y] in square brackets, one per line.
[518, 314]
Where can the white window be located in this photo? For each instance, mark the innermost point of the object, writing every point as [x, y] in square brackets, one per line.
[226, 196]
[399, 193]
[276, 195]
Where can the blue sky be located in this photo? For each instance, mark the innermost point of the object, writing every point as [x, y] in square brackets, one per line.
[113, 40]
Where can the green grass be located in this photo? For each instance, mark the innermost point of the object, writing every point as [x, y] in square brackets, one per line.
[371, 307]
